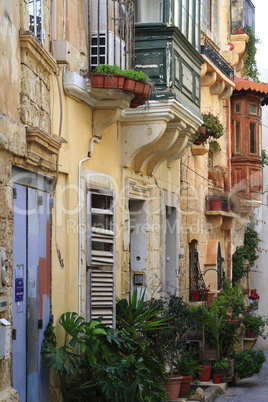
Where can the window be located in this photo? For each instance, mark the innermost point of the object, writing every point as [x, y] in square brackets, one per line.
[100, 255]
[148, 10]
[98, 49]
[36, 18]
[237, 108]
[252, 138]
[206, 14]
[253, 109]
[189, 21]
[237, 137]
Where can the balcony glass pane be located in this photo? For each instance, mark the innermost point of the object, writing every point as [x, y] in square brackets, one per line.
[252, 138]
[237, 137]
[206, 14]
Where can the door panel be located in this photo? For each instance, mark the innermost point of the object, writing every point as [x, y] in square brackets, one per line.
[19, 304]
[36, 241]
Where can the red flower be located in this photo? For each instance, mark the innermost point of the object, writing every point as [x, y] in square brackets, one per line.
[254, 296]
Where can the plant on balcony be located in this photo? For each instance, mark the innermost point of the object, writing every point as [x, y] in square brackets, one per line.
[250, 63]
[213, 130]
[255, 326]
[136, 82]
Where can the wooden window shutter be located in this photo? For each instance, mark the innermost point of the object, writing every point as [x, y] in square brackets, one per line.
[101, 255]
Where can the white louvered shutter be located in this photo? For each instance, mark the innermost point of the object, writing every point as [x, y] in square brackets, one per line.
[101, 255]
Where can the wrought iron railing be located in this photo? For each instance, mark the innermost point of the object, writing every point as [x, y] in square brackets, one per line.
[212, 54]
[111, 30]
[249, 14]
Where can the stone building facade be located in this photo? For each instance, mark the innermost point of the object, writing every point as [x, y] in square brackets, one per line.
[98, 197]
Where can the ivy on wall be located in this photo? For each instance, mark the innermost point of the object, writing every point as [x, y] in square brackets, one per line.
[250, 63]
[245, 256]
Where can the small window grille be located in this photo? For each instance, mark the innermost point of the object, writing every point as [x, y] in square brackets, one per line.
[98, 50]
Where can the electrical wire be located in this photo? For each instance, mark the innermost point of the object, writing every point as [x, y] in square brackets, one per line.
[220, 187]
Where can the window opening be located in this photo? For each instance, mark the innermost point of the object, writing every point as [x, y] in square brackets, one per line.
[197, 287]
[35, 18]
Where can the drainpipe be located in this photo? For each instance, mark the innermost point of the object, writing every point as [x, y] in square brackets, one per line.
[92, 140]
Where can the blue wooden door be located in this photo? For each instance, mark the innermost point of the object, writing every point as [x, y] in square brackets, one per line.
[19, 292]
[36, 293]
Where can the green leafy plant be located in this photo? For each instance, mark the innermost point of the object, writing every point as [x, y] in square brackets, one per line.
[221, 365]
[264, 158]
[214, 146]
[214, 127]
[108, 69]
[134, 317]
[187, 363]
[115, 365]
[230, 301]
[220, 333]
[245, 256]
[169, 342]
[214, 130]
[250, 63]
[255, 324]
[248, 362]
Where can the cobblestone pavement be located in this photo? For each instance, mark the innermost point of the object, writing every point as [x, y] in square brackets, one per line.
[253, 389]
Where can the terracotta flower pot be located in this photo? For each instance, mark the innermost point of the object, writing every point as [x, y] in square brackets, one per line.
[173, 388]
[215, 205]
[216, 378]
[185, 385]
[249, 334]
[102, 80]
[205, 373]
[129, 85]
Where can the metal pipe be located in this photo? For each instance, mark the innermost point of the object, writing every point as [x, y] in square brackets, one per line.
[92, 140]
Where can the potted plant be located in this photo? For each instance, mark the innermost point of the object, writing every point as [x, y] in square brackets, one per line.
[169, 342]
[254, 326]
[187, 365]
[214, 130]
[248, 362]
[204, 372]
[136, 82]
[220, 367]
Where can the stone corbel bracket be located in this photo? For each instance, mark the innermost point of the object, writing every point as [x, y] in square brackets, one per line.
[107, 104]
[240, 43]
[156, 134]
[42, 149]
[218, 82]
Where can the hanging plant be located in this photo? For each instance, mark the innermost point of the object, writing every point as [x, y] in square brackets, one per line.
[213, 129]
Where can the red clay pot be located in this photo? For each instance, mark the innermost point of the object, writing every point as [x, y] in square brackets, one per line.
[173, 387]
[216, 378]
[185, 385]
[205, 373]
[215, 205]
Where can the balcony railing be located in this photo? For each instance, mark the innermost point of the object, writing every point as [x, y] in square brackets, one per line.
[213, 55]
[112, 33]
